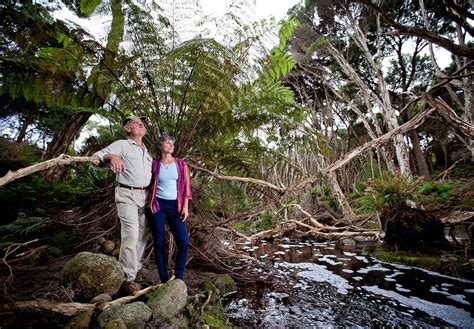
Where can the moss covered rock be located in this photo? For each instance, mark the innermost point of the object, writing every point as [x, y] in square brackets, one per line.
[223, 282]
[92, 274]
[133, 315]
[80, 321]
[214, 316]
[102, 298]
[116, 324]
[168, 300]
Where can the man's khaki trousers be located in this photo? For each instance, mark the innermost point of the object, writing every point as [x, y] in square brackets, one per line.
[134, 229]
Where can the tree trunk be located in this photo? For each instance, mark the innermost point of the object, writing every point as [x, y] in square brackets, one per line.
[336, 189]
[64, 138]
[420, 160]
[27, 120]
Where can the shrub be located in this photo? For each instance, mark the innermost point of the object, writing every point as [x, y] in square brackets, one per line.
[388, 191]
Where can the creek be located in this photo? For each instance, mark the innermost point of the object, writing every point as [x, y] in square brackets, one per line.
[309, 284]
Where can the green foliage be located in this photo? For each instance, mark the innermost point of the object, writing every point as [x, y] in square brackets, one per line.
[389, 191]
[435, 191]
[87, 7]
[463, 171]
[33, 195]
[24, 226]
[264, 221]
[410, 259]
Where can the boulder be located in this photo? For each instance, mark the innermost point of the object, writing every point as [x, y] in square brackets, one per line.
[348, 243]
[168, 300]
[223, 282]
[92, 274]
[80, 321]
[102, 298]
[133, 315]
[116, 324]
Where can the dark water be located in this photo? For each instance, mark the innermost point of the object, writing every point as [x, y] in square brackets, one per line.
[304, 284]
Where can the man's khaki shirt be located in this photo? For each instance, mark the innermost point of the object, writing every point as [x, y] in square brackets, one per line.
[137, 162]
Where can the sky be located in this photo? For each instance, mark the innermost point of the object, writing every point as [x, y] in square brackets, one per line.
[265, 8]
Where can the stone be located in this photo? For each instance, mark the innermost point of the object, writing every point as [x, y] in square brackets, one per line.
[168, 300]
[107, 247]
[179, 321]
[224, 283]
[116, 324]
[471, 262]
[133, 315]
[209, 287]
[91, 274]
[348, 243]
[116, 252]
[102, 298]
[80, 321]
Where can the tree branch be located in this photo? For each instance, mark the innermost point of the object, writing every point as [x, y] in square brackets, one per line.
[60, 160]
[447, 44]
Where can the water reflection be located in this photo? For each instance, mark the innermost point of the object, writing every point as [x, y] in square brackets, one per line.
[312, 284]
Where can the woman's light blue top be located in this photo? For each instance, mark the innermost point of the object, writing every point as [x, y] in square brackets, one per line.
[167, 182]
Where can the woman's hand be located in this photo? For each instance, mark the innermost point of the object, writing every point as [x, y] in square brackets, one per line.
[184, 214]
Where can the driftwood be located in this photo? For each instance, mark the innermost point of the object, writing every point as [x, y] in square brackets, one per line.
[74, 308]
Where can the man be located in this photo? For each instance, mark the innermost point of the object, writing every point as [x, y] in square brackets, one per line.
[130, 161]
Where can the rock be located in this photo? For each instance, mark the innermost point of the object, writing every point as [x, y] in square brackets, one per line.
[168, 300]
[80, 321]
[108, 247]
[116, 324]
[133, 315]
[214, 316]
[223, 282]
[92, 274]
[348, 243]
[116, 252]
[203, 326]
[471, 262]
[209, 287]
[102, 298]
[179, 321]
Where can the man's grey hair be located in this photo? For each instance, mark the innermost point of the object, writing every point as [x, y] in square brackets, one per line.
[163, 139]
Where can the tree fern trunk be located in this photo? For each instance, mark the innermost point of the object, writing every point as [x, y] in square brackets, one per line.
[64, 138]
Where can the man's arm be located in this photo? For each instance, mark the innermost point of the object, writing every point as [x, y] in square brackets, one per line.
[115, 163]
[110, 155]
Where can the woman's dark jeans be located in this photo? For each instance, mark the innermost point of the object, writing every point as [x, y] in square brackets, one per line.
[168, 213]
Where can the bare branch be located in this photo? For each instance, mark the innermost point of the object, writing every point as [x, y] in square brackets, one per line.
[60, 160]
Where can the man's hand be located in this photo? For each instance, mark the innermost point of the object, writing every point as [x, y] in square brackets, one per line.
[116, 163]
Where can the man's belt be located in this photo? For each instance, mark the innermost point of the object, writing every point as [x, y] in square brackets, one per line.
[132, 187]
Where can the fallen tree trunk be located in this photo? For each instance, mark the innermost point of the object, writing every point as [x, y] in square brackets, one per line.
[73, 308]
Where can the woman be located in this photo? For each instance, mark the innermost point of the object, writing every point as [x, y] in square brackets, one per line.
[169, 202]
